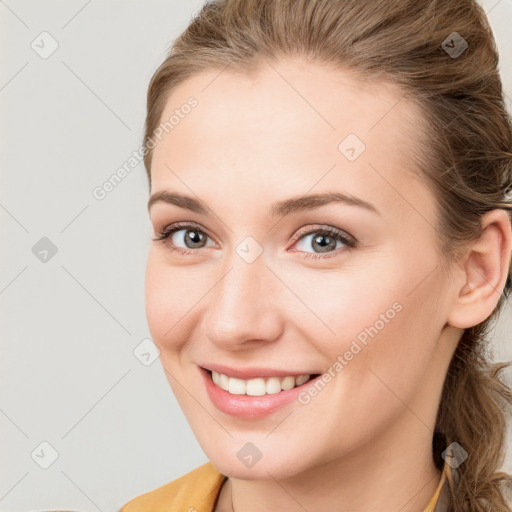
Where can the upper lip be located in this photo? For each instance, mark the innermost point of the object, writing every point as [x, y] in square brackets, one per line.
[252, 372]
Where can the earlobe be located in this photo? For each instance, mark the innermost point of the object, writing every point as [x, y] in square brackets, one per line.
[482, 272]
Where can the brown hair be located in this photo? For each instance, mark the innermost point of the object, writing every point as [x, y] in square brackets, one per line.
[466, 157]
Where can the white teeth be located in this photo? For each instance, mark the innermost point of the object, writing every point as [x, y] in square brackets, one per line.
[301, 379]
[223, 381]
[236, 386]
[288, 383]
[257, 386]
[273, 385]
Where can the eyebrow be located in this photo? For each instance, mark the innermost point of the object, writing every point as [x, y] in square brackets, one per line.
[280, 208]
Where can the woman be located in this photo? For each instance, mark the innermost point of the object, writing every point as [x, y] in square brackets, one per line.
[331, 239]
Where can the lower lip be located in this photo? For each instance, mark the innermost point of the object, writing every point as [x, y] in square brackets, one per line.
[250, 407]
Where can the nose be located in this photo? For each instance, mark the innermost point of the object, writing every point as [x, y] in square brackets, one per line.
[242, 308]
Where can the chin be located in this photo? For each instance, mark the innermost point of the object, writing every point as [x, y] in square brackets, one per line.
[267, 467]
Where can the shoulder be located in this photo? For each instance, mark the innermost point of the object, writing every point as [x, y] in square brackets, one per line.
[196, 491]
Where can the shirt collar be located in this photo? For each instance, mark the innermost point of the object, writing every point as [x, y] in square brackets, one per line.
[440, 500]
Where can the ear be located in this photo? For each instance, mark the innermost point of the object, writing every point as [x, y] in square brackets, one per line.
[482, 272]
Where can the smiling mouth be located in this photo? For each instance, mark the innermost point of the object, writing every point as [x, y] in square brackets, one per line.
[259, 386]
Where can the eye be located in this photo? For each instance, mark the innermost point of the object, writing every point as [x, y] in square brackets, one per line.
[326, 240]
[192, 238]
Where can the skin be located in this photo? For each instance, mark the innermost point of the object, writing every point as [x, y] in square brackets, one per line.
[364, 442]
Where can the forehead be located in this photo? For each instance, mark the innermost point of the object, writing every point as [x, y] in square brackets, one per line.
[286, 124]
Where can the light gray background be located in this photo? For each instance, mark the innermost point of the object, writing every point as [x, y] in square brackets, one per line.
[70, 325]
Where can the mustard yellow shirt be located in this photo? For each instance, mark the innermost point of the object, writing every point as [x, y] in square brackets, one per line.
[198, 491]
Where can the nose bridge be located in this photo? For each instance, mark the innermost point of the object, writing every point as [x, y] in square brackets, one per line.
[239, 308]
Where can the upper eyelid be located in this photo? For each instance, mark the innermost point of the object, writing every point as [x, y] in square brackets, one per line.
[323, 227]
[178, 226]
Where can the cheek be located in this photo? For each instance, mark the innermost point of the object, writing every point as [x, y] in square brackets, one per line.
[337, 306]
[388, 344]
[166, 301]
[376, 318]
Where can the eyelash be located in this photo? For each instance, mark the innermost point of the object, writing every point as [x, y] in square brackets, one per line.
[349, 242]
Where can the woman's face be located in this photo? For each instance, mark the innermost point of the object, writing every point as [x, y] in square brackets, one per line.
[263, 289]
